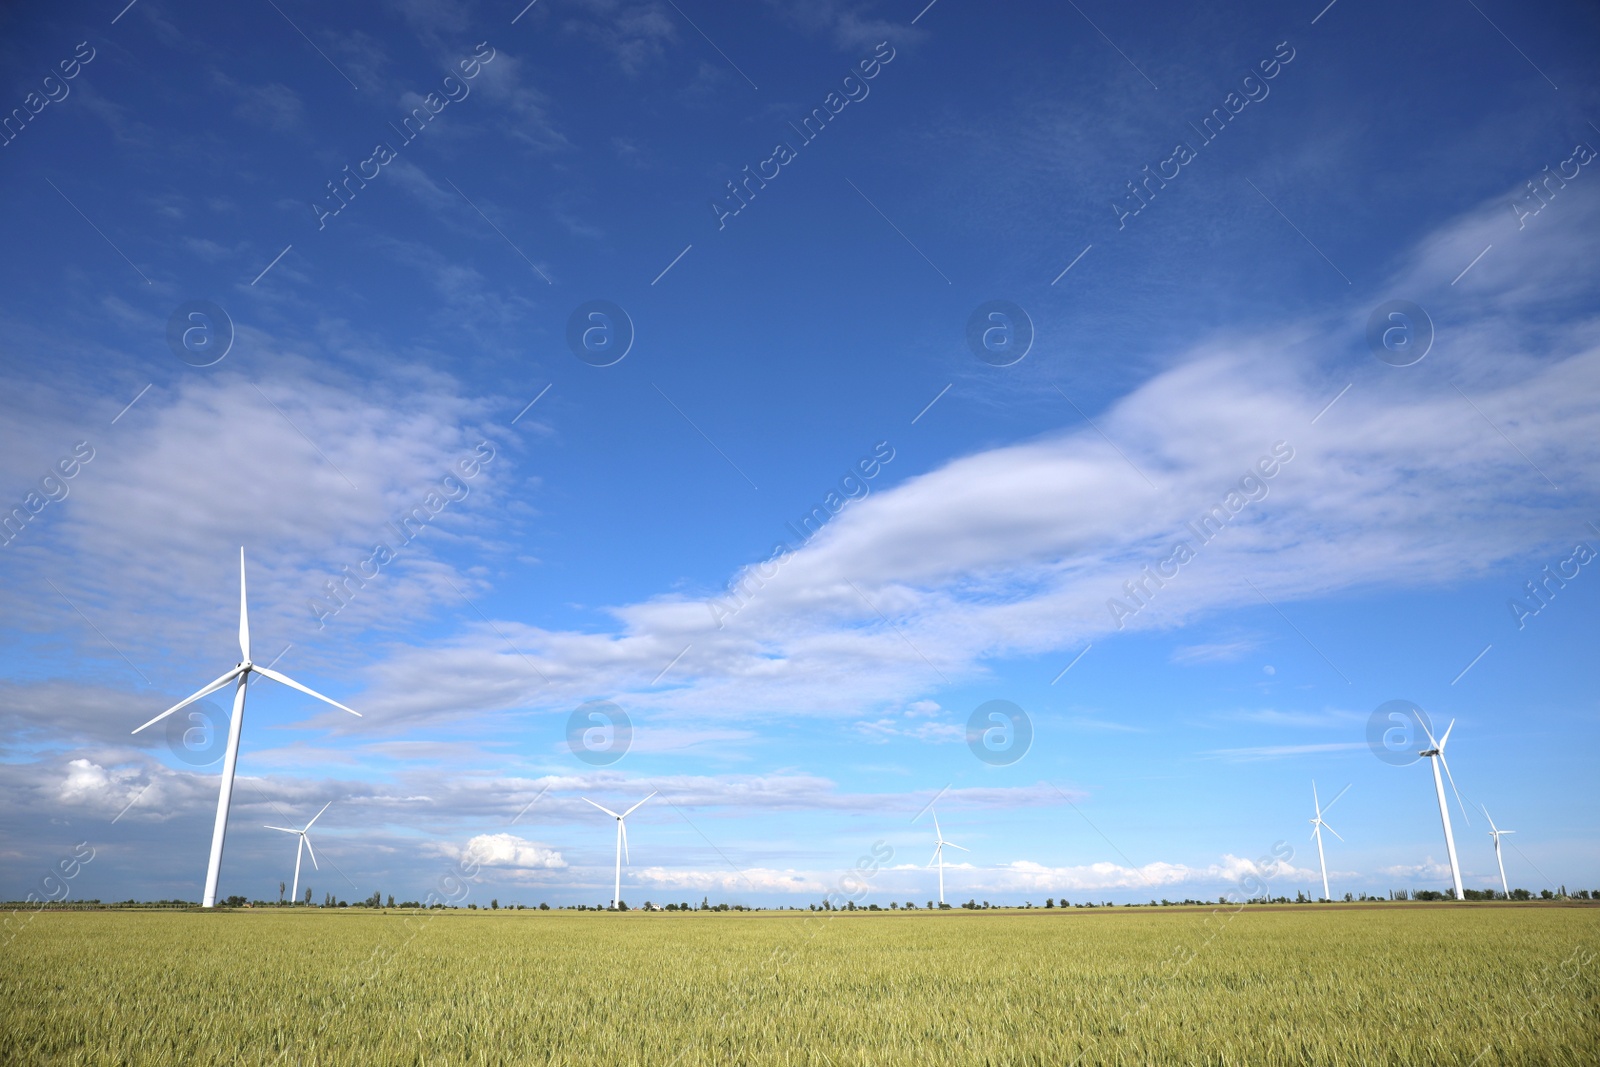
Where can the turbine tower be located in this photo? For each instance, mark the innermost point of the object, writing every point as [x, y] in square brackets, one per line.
[938, 853]
[622, 843]
[1436, 756]
[1495, 832]
[303, 846]
[235, 726]
[1317, 826]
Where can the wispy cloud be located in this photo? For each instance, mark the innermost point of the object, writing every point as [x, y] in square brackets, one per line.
[1273, 752]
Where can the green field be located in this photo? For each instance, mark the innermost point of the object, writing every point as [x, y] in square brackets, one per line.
[1341, 985]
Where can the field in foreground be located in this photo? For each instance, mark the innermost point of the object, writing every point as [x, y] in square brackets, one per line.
[1392, 985]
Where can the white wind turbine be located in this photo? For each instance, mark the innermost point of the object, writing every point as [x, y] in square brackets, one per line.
[622, 842]
[1436, 756]
[1495, 832]
[304, 846]
[938, 853]
[1317, 826]
[235, 726]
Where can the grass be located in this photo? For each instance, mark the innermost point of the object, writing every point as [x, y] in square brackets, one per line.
[1391, 985]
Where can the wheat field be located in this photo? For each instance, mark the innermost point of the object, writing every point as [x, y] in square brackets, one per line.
[1393, 984]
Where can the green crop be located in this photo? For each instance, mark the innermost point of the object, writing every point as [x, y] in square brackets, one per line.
[1392, 984]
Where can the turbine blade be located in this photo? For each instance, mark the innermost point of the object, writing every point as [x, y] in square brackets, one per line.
[292, 684]
[950, 845]
[936, 831]
[207, 691]
[318, 815]
[1493, 829]
[1335, 800]
[1429, 731]
[625, 857]
[311, 850]
[1332, 831]
[1314, 801]
[1453, 789]
[607, 810]
[285, 829]
[635, 808]
[936, 849]
[244, 615]
[1446, 738]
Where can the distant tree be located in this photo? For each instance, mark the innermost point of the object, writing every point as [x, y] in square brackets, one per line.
[281, 888]
[1049, 902]
[235, 901]
[705, 903]
[544, 907]
[494, 904]
[930, 905]
[391, 900]
[308, 896]
[375, 900]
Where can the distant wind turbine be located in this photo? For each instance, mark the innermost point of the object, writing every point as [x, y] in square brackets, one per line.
[622, 843]
[1317, 826]
[303, 846]
[1436, 756]
[235, 727]
[1495, 832]
[938, 853]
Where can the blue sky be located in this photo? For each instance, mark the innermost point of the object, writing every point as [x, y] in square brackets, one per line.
[580, 152]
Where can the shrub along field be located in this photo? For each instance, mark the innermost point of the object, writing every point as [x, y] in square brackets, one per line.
[1393, 984]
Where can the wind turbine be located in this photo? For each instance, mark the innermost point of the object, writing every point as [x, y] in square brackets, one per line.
[294, 894]
[1317, 826]
[1495, 832]
[938, 853]
[622, 842]
[1436, 756]
[235, 726]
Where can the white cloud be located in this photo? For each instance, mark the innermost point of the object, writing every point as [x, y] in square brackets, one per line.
[992, 555]
[1026, 875]
[88, 784]
[1019, 876]
[509, 850]
[1237, 869]
[934, 732]
[752, 880]
[1428, 869]
[1220, 652]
